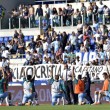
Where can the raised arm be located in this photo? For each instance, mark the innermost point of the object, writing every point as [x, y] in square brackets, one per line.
[2, 72]
[73, 74]
[88, 77]
[51, 73]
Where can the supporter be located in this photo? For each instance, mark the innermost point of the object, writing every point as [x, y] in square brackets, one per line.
[21, 46]
[57, 88]
[106, 13]
[80, 27]
[100, 11]
[95, 11]
[6, 53]
[14, 18]
[83, 8]
[72, 39]
[90, 12]
[28, 58]
[79, 89]
[47, 15]
[14, 46]
[64, 14]
[96, 25]
[60, 13]
[99, 94]
[16, 34]
[87, 94]
[56, 45]
[27, 87]
[82, 48]
[9, 45]
[31, 15]
[67, 77]
[5, 62]
[3, 94]
[21, 34]
[77, 16]
[32, 44]
[70, 11]
[39, 11]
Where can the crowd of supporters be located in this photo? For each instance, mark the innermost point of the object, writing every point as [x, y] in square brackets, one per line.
[62, 47]
[65, 15]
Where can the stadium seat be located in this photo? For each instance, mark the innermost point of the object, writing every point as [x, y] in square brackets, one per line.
[37, 22]
[1, 39]
[26, 38]
[30, 37]
[10, 38]
[6, 39]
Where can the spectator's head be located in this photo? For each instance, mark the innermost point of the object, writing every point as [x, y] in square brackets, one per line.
[94, 3]
[68, 5]
[77, 58]
[29, 77]
[105, 75]
[82, 4]
[54, 9]
[79, 77]
[40, 6]
[77, 10]
[105, 6]
[101, 2]
[73, 33]
[6, 48]
[65, 65]
[93, 74]
[56, 77]
[90, 3]
[46, 5]
[60, 9]
[16, 31]
[32, 39]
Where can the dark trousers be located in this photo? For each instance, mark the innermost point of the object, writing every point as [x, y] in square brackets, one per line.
[69, 90]
[87, 96]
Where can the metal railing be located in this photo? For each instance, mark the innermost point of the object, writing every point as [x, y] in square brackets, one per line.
[41, 22]
[57, 21]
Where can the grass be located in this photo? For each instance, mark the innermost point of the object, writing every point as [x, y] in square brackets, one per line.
[61, 107]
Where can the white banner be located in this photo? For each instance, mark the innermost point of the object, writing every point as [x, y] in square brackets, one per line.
[42, 72]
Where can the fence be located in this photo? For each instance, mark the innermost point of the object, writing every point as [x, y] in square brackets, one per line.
[57, 21]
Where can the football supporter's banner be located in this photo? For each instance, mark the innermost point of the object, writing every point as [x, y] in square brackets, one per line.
[42, 72]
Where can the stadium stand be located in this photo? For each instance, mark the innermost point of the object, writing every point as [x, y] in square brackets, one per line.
[70, 33]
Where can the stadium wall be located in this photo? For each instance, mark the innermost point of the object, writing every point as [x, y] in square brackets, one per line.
[44, 93]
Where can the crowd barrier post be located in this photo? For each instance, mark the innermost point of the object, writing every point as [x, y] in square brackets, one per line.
[0, 23]
[93, 18]
[40, 22]
[61, 21]
[19, 23]
[103, 19]
[72, 20]
[29, 23]
[9, 23]
[52, 22]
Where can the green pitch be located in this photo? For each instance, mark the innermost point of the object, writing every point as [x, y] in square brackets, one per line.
[60, 107]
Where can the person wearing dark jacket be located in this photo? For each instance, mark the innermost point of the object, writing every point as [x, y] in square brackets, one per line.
[87, 94]
[39, 11]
